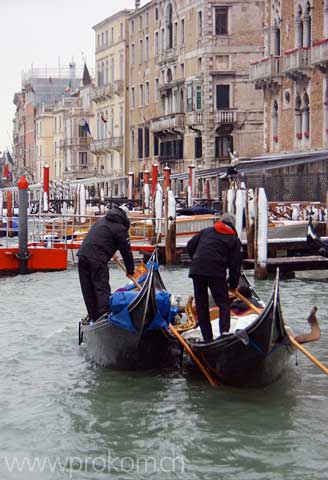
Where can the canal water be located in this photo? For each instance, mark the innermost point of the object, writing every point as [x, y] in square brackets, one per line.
[62, 417]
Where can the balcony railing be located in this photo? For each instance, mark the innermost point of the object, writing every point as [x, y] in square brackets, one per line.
[118, 87]
[106, 145]
[266, 68]
[297, 60]
[319, 52]
[168, 54]
[226, 116]
[194, 118]
[72, 142]
[168, 122]
[102, 93]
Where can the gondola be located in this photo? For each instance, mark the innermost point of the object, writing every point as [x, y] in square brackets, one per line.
[253, 354]
[134, 336]
[317, 245]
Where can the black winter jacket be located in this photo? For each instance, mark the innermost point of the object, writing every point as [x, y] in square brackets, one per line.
[213, 251]
[109, 234]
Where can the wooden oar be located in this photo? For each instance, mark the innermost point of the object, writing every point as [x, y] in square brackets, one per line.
[193, 356]
[177, 335]
[291, 338]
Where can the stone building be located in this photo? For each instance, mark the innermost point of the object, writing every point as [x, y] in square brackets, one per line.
[110, 96]
[293, 76]
[191, 99]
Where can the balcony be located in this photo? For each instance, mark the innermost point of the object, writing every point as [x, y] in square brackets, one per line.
[319, 55]
[118, 87]
[173, 121]
[225, 117]
[101, 94]
[194, 119]
[106, 145]
[266, 71]
[297, 63]
[167, 55]
[81, 142]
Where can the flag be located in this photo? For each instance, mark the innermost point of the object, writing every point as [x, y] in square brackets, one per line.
[103, 119]
[86, 79]
[86, 128]
[69, 87]
[10, 158]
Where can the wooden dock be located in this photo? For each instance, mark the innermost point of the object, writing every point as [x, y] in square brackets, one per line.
[291, 264]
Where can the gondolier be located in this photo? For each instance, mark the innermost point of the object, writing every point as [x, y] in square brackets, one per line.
[109, 234]
[213, 251]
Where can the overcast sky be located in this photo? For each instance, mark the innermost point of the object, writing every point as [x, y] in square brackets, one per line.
[39, 32]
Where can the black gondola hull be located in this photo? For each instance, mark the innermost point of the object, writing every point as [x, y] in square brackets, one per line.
[259, 360]
[113, 347]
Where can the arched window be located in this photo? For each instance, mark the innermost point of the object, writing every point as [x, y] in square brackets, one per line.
[307, 26]
[132, 144]
[121, 122]
[106, 77]
[298, 116]
[169, 75]
[275, 122]
[299, 27]
[306, 115]
[169, 27]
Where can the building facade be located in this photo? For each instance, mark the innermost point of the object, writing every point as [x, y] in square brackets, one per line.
[293, 76]
[191, 100]
[110, 96]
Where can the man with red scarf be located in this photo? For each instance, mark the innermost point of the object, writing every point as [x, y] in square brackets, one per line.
[214, 251]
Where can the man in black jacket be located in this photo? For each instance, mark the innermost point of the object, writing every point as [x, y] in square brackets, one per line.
[213, 251]
[109, 234]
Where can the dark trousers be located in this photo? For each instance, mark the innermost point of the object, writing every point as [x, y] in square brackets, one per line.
[220, 293]
[94, 281]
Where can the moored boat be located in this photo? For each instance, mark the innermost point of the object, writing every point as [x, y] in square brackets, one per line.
[317, 245]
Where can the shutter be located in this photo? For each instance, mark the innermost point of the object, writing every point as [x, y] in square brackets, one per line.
[222, 97]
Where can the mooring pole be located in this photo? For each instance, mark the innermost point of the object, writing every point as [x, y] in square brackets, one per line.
[46, 188]
[23, 254]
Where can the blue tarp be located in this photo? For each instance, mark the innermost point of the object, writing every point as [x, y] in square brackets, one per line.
[120, 301]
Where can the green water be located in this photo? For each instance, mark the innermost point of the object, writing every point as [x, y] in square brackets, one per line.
[62, 417]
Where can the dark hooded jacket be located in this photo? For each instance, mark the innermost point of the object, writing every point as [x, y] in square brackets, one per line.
[214, 250]
[109, 234]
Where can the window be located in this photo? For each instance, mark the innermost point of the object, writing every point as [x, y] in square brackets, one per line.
[141, 96]
[175, 36]
[156, 43]
[200, 23]
[140, 51]
[182, 31]
[121, 31]
[83, 160]
[156, 144]
[146, 142]
[82, 132]
[147, 94]
[156, 90]
[222, 97]
[140, 22]
[169, 27]
[121, 67]
[198, 103]
[112, 70]
[132, 27]
[200, 64]
[221, 21]
[147, 19]
[121, 122]
[182, 70]
[132, 54]
[132, 97]
[198, 147]
[222, 146]
[112, 35]
[162, 39]
[156, 14]
[132, 144]
[147, 48]
[98, 40]
[102, 39]
[106, 35]
[140, 143]
[189, 97]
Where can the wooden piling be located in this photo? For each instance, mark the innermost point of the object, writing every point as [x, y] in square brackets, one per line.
[261, 235]
[250, 223]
